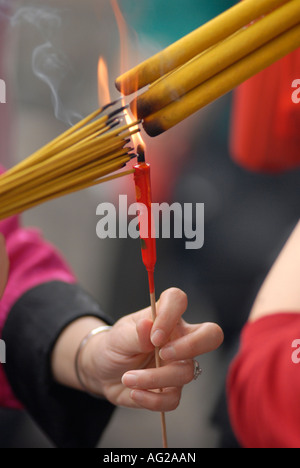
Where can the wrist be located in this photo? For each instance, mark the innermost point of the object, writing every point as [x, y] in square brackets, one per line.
[89, 356]
[65, 349]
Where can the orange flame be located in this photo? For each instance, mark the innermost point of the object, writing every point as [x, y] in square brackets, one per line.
[103, 86]
[124, 65]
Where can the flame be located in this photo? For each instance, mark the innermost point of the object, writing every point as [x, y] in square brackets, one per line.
[103, 86]
[124, 62]
[136, 138]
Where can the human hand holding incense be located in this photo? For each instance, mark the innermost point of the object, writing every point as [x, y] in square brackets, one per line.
[119, 364]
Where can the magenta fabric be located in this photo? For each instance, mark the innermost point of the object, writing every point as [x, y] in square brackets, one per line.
[33, 261]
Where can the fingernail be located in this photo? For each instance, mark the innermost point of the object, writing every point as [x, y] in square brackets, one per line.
[137, 396]
[167, 353]
[158, 338]
[130, 380]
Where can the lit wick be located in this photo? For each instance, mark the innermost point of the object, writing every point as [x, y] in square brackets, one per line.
[141, 154]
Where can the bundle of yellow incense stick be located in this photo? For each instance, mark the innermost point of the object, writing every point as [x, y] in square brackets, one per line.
[211, 61]
[89, 153]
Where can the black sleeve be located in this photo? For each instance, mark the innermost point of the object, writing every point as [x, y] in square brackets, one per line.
[70, 418]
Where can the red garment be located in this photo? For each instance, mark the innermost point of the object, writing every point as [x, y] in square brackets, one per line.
[265, 135]
[264, 383]
[32, 262]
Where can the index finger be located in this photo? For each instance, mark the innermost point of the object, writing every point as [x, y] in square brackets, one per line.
[170, 308]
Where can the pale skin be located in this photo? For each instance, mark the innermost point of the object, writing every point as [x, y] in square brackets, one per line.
[280, 292]
[112, 362]
[113, 358]
[119, 364]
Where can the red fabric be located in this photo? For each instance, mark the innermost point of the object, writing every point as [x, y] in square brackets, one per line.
[264, 384]
[265, 131]
[32, 262]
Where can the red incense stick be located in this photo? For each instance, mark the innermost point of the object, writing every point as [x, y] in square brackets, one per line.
[148, 244]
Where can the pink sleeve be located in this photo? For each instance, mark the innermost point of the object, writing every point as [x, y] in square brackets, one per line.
[32, 262]
[264, 383]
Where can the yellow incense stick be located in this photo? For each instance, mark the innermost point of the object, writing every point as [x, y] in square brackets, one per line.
[83, 156]
[55, 195]
[223, 82]
[194, 43]
[216, 59]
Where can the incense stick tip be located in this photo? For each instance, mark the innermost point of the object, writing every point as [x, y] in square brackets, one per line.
[141, 154]
[153, 128]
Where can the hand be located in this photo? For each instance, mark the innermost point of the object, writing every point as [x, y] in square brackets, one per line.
[4, 265]
[120, 363]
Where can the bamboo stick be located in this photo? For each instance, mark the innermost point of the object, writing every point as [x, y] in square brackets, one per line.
[223, 82]
[216, 59]
[194, 43]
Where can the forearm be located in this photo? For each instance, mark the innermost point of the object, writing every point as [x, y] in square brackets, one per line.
[64, 352]
[280, 292]
[32, 330]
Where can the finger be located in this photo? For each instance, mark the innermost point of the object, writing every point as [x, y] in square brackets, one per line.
[171, 306]
[168, 400]
[205, 338]
[130, 336]
[143, 328]
[176, 374]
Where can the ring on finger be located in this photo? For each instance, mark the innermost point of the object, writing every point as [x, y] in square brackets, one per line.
[197, 369]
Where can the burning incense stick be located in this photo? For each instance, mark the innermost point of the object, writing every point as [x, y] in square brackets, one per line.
[212, 61]
[216, 59]
[194, 43]
[223, 82]
[83, 156]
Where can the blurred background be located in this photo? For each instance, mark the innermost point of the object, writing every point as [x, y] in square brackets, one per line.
[50, 57]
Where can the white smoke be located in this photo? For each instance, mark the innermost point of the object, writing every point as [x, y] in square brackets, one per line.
[49, 63]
